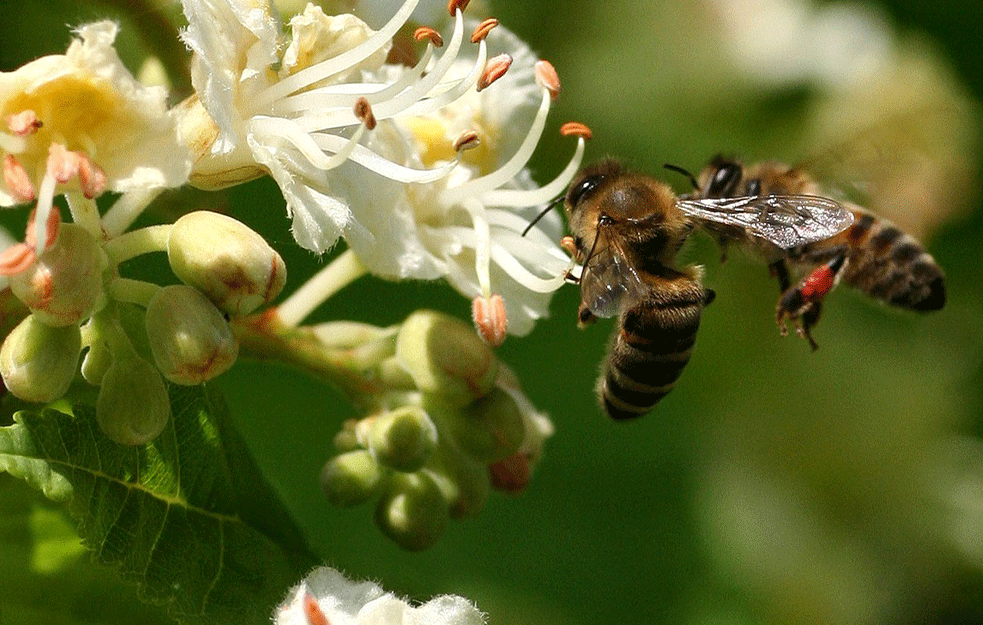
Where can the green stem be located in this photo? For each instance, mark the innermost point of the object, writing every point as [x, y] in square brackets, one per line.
[266, 337]
[143, 241]
[133, 291]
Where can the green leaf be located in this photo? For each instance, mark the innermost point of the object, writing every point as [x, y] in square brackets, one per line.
[49, 578]
[188, 516]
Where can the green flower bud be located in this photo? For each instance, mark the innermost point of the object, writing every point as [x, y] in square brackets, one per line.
[190, 339]
[413, 514]
[224, 259]
[133, 406]
[403, 439]
[464, 482]
[38, 361]
[351, 478]
[63, 285]
[444, 356]
[96, 362]
[489, 429]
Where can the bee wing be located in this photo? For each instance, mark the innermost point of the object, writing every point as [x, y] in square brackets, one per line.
[784, 220]
[608, 278]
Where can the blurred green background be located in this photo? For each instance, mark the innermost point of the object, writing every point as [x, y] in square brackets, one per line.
[774, 485]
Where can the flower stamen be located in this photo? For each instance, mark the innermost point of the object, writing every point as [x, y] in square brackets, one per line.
[313, 612]
[457, 5]
[547, 78]
[24, 123]
[490, 319]
[576, 129]
[425, 32]
[495, 69]
[467, 141]
[363, 111]
[483, 29]
[17, 180]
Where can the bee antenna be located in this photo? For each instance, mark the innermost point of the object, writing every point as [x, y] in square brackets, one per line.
[542, 213]
[685, 172]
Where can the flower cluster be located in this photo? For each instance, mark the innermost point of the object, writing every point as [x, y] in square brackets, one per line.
[448, 422]
[420, 167]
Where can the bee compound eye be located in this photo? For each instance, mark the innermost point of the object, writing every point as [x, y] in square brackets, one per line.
[724, 180]
[582, 189]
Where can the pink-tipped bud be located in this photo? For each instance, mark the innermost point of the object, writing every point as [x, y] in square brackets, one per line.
[489, 318]
[494, 69]
[547, 78]
[226, 260]
[63, 284]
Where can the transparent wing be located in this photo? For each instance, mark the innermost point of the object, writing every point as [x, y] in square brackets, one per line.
[608, 279]
[784, 220]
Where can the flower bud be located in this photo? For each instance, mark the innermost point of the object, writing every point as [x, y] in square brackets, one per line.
[403, 439]
[190, 339]
[63, 284]
[226, 260]
[351, 478]
[512, 474]
[96, 362]
[489, 429]
[464, 482]
[133, 406]
[444, 356]
[413, 514]
[38, 361]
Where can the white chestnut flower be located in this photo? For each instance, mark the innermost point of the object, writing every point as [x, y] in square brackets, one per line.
[326, 596]
[299, 115]
[80, 123]
[470, 226]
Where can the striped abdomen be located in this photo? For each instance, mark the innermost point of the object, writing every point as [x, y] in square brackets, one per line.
[885, 263]
[651, 346]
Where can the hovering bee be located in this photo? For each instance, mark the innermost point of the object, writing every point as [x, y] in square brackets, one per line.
[627, 229]
[871, 255]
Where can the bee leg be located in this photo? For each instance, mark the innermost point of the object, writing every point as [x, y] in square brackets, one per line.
[809, 319]
[802, 303]
[779, 269]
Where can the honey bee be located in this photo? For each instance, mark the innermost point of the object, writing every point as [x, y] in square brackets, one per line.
[626, 230]
[871, 255]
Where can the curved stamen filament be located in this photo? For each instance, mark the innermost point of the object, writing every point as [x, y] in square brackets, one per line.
[542, 195]
[337, 64]
[381, 165]
[482, 244]
[340, 96]
[511, 168]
